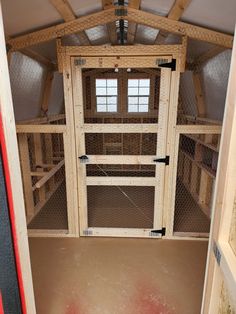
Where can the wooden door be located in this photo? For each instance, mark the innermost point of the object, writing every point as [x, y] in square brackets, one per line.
[120, 186]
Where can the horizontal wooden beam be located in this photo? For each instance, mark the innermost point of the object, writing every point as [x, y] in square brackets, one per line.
[42, 120]
[120, 128]
[33, 128]
[121, 160]
[133, 15]
[199, 129]
[130, 181]
[140, 50]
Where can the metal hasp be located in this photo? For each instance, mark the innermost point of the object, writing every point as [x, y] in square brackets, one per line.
[160, 231]
[83, 159]
[169, 65]
[165, 160]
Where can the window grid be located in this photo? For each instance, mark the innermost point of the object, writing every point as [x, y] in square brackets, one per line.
[138, 95]
[106, 95]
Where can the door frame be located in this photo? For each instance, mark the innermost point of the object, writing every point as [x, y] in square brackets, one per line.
[145, 56]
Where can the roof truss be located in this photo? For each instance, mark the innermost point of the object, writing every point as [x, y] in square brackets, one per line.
[130, 14]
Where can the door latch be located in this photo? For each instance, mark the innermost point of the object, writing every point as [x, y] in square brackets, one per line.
[165, 160]
[83, 159]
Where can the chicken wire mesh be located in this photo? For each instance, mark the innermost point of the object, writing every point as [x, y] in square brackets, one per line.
[120, 143]
[196, 172]
[120, 206]
[43, 173]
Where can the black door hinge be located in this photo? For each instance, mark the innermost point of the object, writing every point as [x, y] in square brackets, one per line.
[83, 159]
[170, 65]
[160, 231]
[165, 160]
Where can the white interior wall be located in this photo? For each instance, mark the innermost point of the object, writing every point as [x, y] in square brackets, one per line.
[27, 83]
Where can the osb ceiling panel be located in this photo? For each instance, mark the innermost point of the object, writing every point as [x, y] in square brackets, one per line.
[26, 15]
[161, 7]
[216, 14]
[83, 7]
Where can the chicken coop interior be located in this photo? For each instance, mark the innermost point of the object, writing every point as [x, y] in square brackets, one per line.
[119, 109]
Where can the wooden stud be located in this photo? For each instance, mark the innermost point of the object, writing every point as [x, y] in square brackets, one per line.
[201, 106]
[47, 92]
[38, 157]
[25, 171]
[223, 204]
[70, 152]
[8, 132]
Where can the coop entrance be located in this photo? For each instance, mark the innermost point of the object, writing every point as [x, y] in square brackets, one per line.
[121, 115]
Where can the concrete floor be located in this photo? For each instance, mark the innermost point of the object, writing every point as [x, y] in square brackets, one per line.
[117, 276]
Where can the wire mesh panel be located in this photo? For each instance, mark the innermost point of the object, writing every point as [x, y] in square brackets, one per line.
[120, 206]
[120, 170]
[120, 143]
[43, 173]
[196, 171]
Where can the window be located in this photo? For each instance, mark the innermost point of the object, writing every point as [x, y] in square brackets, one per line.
[106, 95]
[138, 95]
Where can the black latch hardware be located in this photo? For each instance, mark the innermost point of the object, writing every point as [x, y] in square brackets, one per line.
[160, 231]
[83, 158]
[170, 65]
[165, 160]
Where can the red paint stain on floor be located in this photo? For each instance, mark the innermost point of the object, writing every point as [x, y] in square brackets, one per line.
[73, 308]
[148, 300]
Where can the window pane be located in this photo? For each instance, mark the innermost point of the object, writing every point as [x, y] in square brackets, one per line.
[143, 108]
[111, 108]
[101, 100]
[133, 108]
[132, 83]
[101, 108]
[100, 91]
[133, 100]
[133, 91]
[144, 83]
[111, 100]
[112, 83]
[143, 100]
[100, 83]
[144, 91]
[111, 91]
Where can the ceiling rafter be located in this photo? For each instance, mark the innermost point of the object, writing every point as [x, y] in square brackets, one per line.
[175, 13]
[133, 15]
[67, 13]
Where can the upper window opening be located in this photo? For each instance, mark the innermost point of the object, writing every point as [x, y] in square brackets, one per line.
[138, 95]
[106, 95]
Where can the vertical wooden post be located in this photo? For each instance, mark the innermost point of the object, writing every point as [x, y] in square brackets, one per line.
[47, 92]
[26, 176]
[201, 107]
[9, 134]
[38, 154]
